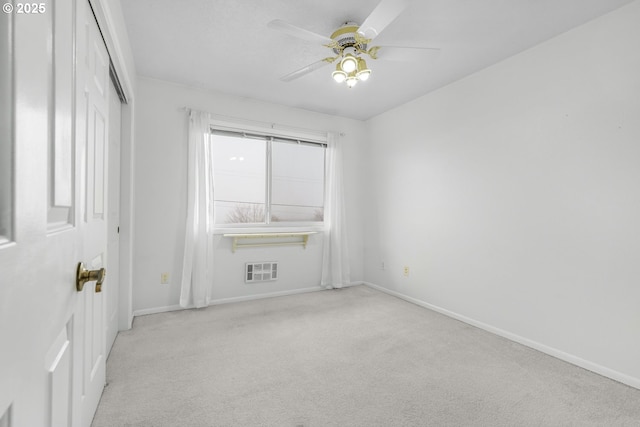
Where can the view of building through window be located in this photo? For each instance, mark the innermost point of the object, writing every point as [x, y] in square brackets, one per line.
[251, 189]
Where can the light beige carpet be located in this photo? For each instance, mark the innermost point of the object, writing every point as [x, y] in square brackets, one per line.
[350, 357]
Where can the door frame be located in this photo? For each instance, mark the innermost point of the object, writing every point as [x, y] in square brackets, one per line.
[110, 20]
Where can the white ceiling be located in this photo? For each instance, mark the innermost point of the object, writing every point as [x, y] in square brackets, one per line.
[225, 45]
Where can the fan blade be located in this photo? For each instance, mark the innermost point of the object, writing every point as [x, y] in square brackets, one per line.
[397, 53]
[384, 13]
[301, 33]
[303, 71]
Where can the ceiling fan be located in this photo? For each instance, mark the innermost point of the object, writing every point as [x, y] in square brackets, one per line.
[352, 42]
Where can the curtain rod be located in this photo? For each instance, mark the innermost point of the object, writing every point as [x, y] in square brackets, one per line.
[257, 122]
[251, 135]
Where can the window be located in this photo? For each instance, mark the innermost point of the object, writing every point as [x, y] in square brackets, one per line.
[266, 180]
[239, 169]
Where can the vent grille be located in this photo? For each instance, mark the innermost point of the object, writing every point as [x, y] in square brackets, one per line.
[260, 271]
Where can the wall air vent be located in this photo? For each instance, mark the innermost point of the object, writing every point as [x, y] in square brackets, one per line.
[260, 271]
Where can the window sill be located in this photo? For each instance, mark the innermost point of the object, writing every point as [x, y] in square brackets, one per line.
[271, 238]
[262, 229]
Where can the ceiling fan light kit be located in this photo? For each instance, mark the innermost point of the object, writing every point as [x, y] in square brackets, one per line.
[350, 43]
[338, 75]
[363, 72]
[351, 81]
[358, 73]
[349, 61]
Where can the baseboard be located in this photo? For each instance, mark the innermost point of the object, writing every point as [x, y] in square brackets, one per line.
[267, 295]
[155, 310]
[574, 360]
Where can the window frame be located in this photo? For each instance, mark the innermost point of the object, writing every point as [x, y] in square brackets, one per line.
[273, 133]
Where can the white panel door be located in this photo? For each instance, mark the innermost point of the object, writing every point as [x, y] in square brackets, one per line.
[92, 136]
[53, 186]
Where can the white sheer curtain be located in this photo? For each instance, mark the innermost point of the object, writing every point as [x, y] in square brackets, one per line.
[335, 259]
[197, 270]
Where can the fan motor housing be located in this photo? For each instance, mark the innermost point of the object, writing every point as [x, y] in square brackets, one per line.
[345, 36]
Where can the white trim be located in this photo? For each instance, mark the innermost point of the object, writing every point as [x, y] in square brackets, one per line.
[177, 307]
[156, 310]
[575, 360]
[262, 296]
[127, 217]
[5, 244]
[110, 22]
[348, 285]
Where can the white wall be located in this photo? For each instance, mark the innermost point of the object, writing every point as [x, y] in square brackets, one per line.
[160, 197]
[513, 196]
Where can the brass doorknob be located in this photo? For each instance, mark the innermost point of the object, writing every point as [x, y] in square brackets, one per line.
[83, 276]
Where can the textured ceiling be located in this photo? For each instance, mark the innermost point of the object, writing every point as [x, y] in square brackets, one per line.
[225, 45]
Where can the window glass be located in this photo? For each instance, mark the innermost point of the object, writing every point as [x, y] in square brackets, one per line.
[297, 182]
[252, 186]
[239, 167]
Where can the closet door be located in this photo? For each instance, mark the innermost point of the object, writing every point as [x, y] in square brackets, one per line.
[92, 134]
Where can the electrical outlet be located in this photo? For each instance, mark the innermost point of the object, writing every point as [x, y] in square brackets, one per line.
[381, 265]
[164, 278]
[405, 271]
